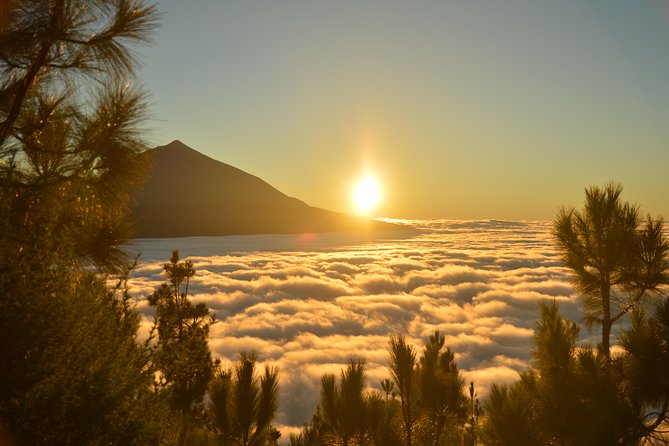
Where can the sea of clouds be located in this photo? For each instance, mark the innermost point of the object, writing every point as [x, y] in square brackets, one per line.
[308, 303]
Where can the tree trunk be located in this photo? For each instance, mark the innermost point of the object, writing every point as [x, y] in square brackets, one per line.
[606, 317]
[606, 334]
[184, 428]
[406, 416]
[438, 430]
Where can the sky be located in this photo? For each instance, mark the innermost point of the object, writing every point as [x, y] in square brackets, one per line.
[461, 109]
[310, 305]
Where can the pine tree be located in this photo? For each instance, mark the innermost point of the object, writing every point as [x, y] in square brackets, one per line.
[69, 139]
[582, 396]
[349, 414]
[343, 406]
[243, 404]
[70, 130]
[617, 258]
[403, 367]
[646, 367]
[442, 402]
[72, 371]
[182, 352]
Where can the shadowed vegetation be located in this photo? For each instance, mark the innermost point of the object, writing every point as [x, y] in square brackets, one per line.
[244, 404]
[182, 350]
[617, 257]
[586, 395]
[431, 408]
[71, 370]
[403, 372]
[581, 396]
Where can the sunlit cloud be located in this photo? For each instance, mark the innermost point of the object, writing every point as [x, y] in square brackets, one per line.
[308, 312]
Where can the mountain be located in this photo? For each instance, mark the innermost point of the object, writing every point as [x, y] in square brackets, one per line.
[191, 194]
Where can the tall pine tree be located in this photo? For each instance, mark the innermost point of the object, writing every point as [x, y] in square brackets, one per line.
[182, 355]
[71, 371]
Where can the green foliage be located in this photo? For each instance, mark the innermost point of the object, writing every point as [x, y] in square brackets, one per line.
[69, 130]
[510, 418]
[534, 409]
[617, 258]
[383, 421]
[343, 405]
[402, 366]
[308, 437]
[182, 353]
[581, 396]
[432, 407]
[71, 370]
[555, 340]
[243, 404]
[350, 415]
[442, 401]
[646, 366]
[472, 428]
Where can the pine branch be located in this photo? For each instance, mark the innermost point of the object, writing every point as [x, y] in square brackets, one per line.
[31, 75]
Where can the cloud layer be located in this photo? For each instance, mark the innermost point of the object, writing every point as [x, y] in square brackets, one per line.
[308, 304]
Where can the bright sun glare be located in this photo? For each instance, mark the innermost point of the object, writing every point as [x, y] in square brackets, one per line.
[366, 195]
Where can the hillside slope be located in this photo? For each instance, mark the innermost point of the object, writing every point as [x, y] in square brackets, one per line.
[191, 194]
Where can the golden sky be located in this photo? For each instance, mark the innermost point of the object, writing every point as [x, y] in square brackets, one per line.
[460, 109]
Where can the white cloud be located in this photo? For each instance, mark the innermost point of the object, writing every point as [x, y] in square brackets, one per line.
[310, 308]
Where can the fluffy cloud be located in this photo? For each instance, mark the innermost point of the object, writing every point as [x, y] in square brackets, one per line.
[308, 305]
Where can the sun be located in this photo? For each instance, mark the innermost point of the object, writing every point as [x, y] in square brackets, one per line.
[366, 195]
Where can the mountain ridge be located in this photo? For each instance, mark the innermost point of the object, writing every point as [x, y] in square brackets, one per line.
[188, 193]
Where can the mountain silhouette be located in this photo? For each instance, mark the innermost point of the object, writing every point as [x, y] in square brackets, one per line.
[190, 194]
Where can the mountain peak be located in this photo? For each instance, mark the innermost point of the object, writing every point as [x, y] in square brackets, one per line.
[181, 154]
[175, 145]
[191, 194]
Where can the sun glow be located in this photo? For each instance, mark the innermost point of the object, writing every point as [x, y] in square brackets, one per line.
[366, 195]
